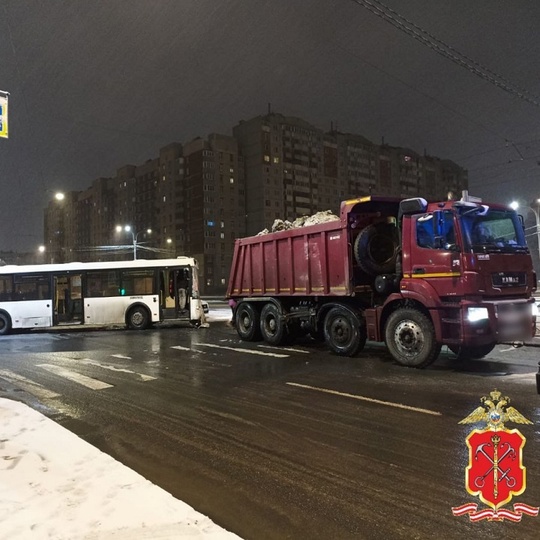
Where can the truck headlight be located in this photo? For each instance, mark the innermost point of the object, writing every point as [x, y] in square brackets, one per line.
[475, 314]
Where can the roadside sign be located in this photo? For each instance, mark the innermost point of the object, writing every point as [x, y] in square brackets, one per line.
[4, 117]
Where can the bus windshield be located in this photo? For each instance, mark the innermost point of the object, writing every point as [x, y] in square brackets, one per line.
[492, 231]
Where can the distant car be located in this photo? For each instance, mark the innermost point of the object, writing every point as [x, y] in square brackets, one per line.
[205, 307]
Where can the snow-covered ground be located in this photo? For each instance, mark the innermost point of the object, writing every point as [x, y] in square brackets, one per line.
[54, 485]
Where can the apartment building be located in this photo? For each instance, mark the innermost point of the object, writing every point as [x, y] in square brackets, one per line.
[293, 169]
[198, 197]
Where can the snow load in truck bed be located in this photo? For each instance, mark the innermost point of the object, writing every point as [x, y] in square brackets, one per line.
[283, 225]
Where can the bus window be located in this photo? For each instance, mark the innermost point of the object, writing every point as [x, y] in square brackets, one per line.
[6, 288]
[32, 287]
[102, 283]
[137, 281]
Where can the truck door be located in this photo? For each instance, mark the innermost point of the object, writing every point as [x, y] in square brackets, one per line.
[435, 253]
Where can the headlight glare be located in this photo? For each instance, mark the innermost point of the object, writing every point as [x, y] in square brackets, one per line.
[475, 314]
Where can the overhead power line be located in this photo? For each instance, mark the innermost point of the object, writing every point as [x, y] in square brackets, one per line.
[444, 49]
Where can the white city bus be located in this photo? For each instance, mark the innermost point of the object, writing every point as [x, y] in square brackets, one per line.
[135, 293]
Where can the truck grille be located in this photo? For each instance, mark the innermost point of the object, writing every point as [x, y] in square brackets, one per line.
[509, 279]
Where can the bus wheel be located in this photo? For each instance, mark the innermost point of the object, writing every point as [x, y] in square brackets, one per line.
[472, 352]
[5, 324]
[344, 331]
[273, 329]
[410, 338]
[248, 322]
[138, 318]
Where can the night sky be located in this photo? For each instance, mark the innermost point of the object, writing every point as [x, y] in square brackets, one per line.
[96, 84]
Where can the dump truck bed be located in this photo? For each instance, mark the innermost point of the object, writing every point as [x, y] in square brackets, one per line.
[308, 261]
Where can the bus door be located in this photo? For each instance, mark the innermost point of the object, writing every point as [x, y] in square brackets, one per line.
[68, 301]
[176, 293]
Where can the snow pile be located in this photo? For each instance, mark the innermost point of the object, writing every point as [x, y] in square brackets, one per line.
[304, 221]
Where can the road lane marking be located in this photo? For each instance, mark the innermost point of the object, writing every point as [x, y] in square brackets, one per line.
[180, 348]
[364, 398]
[94, 384]
[91, 362]
[290, 349]
[247, 351]
[121, 356]
[31, 387]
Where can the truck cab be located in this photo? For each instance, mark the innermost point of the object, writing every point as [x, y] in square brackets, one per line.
[469, 266]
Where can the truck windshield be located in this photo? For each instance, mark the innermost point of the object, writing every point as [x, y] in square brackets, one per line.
[495, 231]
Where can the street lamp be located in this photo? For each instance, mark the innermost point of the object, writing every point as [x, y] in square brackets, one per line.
[536, 211]
[134, 236]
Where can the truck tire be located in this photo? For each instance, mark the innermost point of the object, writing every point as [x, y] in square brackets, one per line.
[5, 324]
[248, 322]
[273, 329]
[344, 331]
[410, 338]
[138, 318]
[376, 249]
[471, 352]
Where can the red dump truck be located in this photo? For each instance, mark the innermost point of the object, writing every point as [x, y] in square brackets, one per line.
[413, 274]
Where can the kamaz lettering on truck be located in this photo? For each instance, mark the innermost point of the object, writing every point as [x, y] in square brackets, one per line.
[413, 274]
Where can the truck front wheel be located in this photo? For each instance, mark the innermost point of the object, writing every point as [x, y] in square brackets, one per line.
[344, 331]
[273, 329]
[410, 338]
[247, 322]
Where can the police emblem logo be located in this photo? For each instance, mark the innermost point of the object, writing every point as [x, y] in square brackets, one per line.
[495, 472]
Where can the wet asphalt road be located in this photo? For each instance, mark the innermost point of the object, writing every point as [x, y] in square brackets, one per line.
[278, 443]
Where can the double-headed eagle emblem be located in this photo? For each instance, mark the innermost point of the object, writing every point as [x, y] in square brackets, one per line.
[495, 411]
[495, 472]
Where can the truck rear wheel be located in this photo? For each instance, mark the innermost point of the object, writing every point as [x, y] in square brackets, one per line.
[273, 328]
[344, 331]
[471, 352]
[248, 322]
[376, 249]
[410, 338]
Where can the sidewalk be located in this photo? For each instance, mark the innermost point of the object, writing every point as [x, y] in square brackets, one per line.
[54, 485]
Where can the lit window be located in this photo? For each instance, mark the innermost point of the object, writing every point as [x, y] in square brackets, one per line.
[267, 158]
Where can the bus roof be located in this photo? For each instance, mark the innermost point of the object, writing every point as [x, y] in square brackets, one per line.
[81, 266]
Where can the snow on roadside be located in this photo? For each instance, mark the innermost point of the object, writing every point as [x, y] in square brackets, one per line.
[55, 485]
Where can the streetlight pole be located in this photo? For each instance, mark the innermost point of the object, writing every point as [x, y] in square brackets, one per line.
[134, 236]
[536, 212]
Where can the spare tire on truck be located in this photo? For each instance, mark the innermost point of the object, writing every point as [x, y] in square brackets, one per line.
[376, 249]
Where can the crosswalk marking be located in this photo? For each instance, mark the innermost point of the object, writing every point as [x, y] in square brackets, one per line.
[290, 349]
[31, 387]
[90, 362]
[94, 384]
[247, 351]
